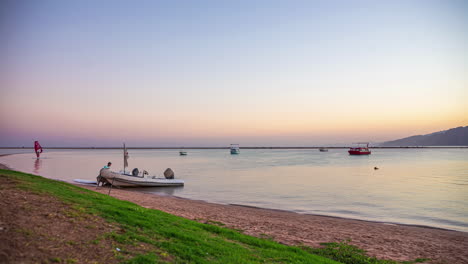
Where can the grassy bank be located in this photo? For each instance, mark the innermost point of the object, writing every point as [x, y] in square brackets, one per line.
[149, 236]
[127, 233]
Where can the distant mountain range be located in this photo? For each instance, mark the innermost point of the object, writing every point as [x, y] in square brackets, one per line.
[452, 137]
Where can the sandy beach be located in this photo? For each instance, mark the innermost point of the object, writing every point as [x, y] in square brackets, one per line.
[389, 241]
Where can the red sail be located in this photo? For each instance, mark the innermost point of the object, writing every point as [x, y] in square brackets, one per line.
[37, 148]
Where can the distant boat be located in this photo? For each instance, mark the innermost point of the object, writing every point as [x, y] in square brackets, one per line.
[235, 149]
[323, 149]
[182, 152]
[362, 148]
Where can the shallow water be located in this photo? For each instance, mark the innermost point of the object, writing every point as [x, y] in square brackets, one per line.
[412, 186]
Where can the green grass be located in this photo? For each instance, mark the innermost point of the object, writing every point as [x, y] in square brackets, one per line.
[346, 253]
[171, 238]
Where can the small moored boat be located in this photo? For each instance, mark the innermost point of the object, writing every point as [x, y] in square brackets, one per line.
[235, 149]
[362, 148]
[323, 149]
[182, 152]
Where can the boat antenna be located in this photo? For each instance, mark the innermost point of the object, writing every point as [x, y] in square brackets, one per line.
[125, 156]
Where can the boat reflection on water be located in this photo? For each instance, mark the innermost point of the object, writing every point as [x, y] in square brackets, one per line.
[37, 165]
[167, 190]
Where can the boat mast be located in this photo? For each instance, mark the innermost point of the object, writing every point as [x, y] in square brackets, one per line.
[124, 155]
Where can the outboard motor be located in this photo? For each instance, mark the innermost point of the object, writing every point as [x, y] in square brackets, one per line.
[169, 174]
[101, 179]
[135, 172]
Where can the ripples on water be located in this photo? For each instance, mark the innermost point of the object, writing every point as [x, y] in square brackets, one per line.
[411, 186]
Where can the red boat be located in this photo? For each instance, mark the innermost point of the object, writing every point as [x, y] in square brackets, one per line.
[360, 149]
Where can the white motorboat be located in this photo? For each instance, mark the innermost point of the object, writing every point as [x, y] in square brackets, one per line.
[136, 178]
[235, 149]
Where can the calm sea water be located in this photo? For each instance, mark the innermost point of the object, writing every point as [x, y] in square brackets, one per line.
[412, 186]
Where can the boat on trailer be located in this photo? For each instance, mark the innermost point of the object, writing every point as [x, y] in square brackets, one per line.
[136, 178]
[362, 148]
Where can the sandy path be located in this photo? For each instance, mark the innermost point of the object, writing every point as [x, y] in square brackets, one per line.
[397, 242]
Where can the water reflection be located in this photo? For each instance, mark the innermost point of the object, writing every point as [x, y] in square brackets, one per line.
[414, 186]
[160, 190]
[37, 166]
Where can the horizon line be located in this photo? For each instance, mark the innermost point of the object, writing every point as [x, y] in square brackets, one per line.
[272, 147]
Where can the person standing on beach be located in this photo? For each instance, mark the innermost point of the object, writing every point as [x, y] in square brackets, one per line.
[108, 165]
[37, 148]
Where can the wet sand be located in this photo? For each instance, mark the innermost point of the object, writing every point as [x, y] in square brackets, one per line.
[3, 166]
[388, 241]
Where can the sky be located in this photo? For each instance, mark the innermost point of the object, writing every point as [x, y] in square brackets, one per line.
[212, 73]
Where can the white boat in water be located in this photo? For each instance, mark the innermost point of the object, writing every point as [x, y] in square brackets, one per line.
[235, 149]
[136, 178]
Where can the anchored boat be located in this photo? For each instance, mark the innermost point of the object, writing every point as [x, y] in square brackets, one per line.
[182, 152]
[136, 178]
[235, 149]
[362, 148]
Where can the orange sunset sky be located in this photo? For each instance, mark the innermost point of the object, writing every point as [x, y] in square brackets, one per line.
[211, 73]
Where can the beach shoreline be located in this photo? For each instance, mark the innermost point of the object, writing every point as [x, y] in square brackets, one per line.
[385, 240]
[382, 240]
[3, 166]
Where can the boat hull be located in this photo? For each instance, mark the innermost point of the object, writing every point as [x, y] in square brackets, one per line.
[360, 150]
[124, 180]
[357, 152]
